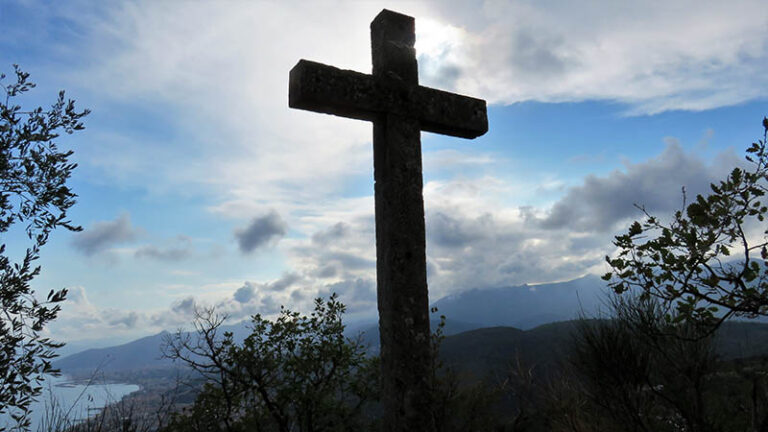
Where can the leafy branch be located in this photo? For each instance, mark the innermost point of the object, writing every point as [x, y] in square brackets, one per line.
[704, 261]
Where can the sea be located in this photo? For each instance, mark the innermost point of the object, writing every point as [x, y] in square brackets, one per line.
[75, 400]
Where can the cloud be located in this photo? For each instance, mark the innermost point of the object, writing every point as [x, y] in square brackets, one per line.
[185, 306]
[650, 56]
[653, 57]
[474, 242]
[476, 238]
[102, 235]
[296, 291]
[468, 251]
[245, 293]
[81, 319]
[342, 251]
[180, 249]
[247, 112]
[251, 290]
[357, 294]
[128, 320]
[260, 232]
[335, 233]
[285, 282]
[265, 297]
[600, 203]
[451, 232]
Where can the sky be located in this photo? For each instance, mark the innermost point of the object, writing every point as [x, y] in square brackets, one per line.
[197, 185]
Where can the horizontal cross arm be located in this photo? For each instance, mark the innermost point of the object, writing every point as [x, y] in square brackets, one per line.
[450, 113]
[326, 89]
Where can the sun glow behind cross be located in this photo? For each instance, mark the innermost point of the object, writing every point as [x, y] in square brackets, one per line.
[440, 49]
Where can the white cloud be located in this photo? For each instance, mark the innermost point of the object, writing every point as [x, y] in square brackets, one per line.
[212, 77]
[474, 240]
[656, 56]
[215, 77]
[217, 74]
[81, 319]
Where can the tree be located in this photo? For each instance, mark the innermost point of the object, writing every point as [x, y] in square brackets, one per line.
[34, 198]
[644, 372]
[296, 373]
[300, 373]
[459, 402]
[708, 260]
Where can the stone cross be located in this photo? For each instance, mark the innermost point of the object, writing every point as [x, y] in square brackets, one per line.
[400, 109]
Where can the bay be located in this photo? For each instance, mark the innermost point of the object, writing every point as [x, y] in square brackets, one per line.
[72, 401]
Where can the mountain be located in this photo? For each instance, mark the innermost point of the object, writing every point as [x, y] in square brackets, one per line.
[480, 351]
[742, 339]
[142, 353]
[523, 307]
[526, 306]
[369, 335]
[492, 351]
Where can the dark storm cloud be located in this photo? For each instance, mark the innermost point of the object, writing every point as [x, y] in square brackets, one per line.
[260, 232]
[602, 202]
[101, 235]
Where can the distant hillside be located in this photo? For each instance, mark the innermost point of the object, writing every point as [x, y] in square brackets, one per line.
[479, 351]
[491, 351]
[741, 339]
[142, 353]
[369, 335]
[525, 306]
[517, 318]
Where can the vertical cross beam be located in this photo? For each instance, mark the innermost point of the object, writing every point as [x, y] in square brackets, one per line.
[401, 269]
[400, 109]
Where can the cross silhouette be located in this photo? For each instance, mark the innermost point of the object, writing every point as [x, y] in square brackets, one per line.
[400, 109]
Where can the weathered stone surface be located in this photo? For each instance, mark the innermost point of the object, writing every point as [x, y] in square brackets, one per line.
[326, 89]
[393, 55]
[402, 274]
[400, 109]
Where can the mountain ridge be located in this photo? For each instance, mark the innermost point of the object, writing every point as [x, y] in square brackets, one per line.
[468, 310]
